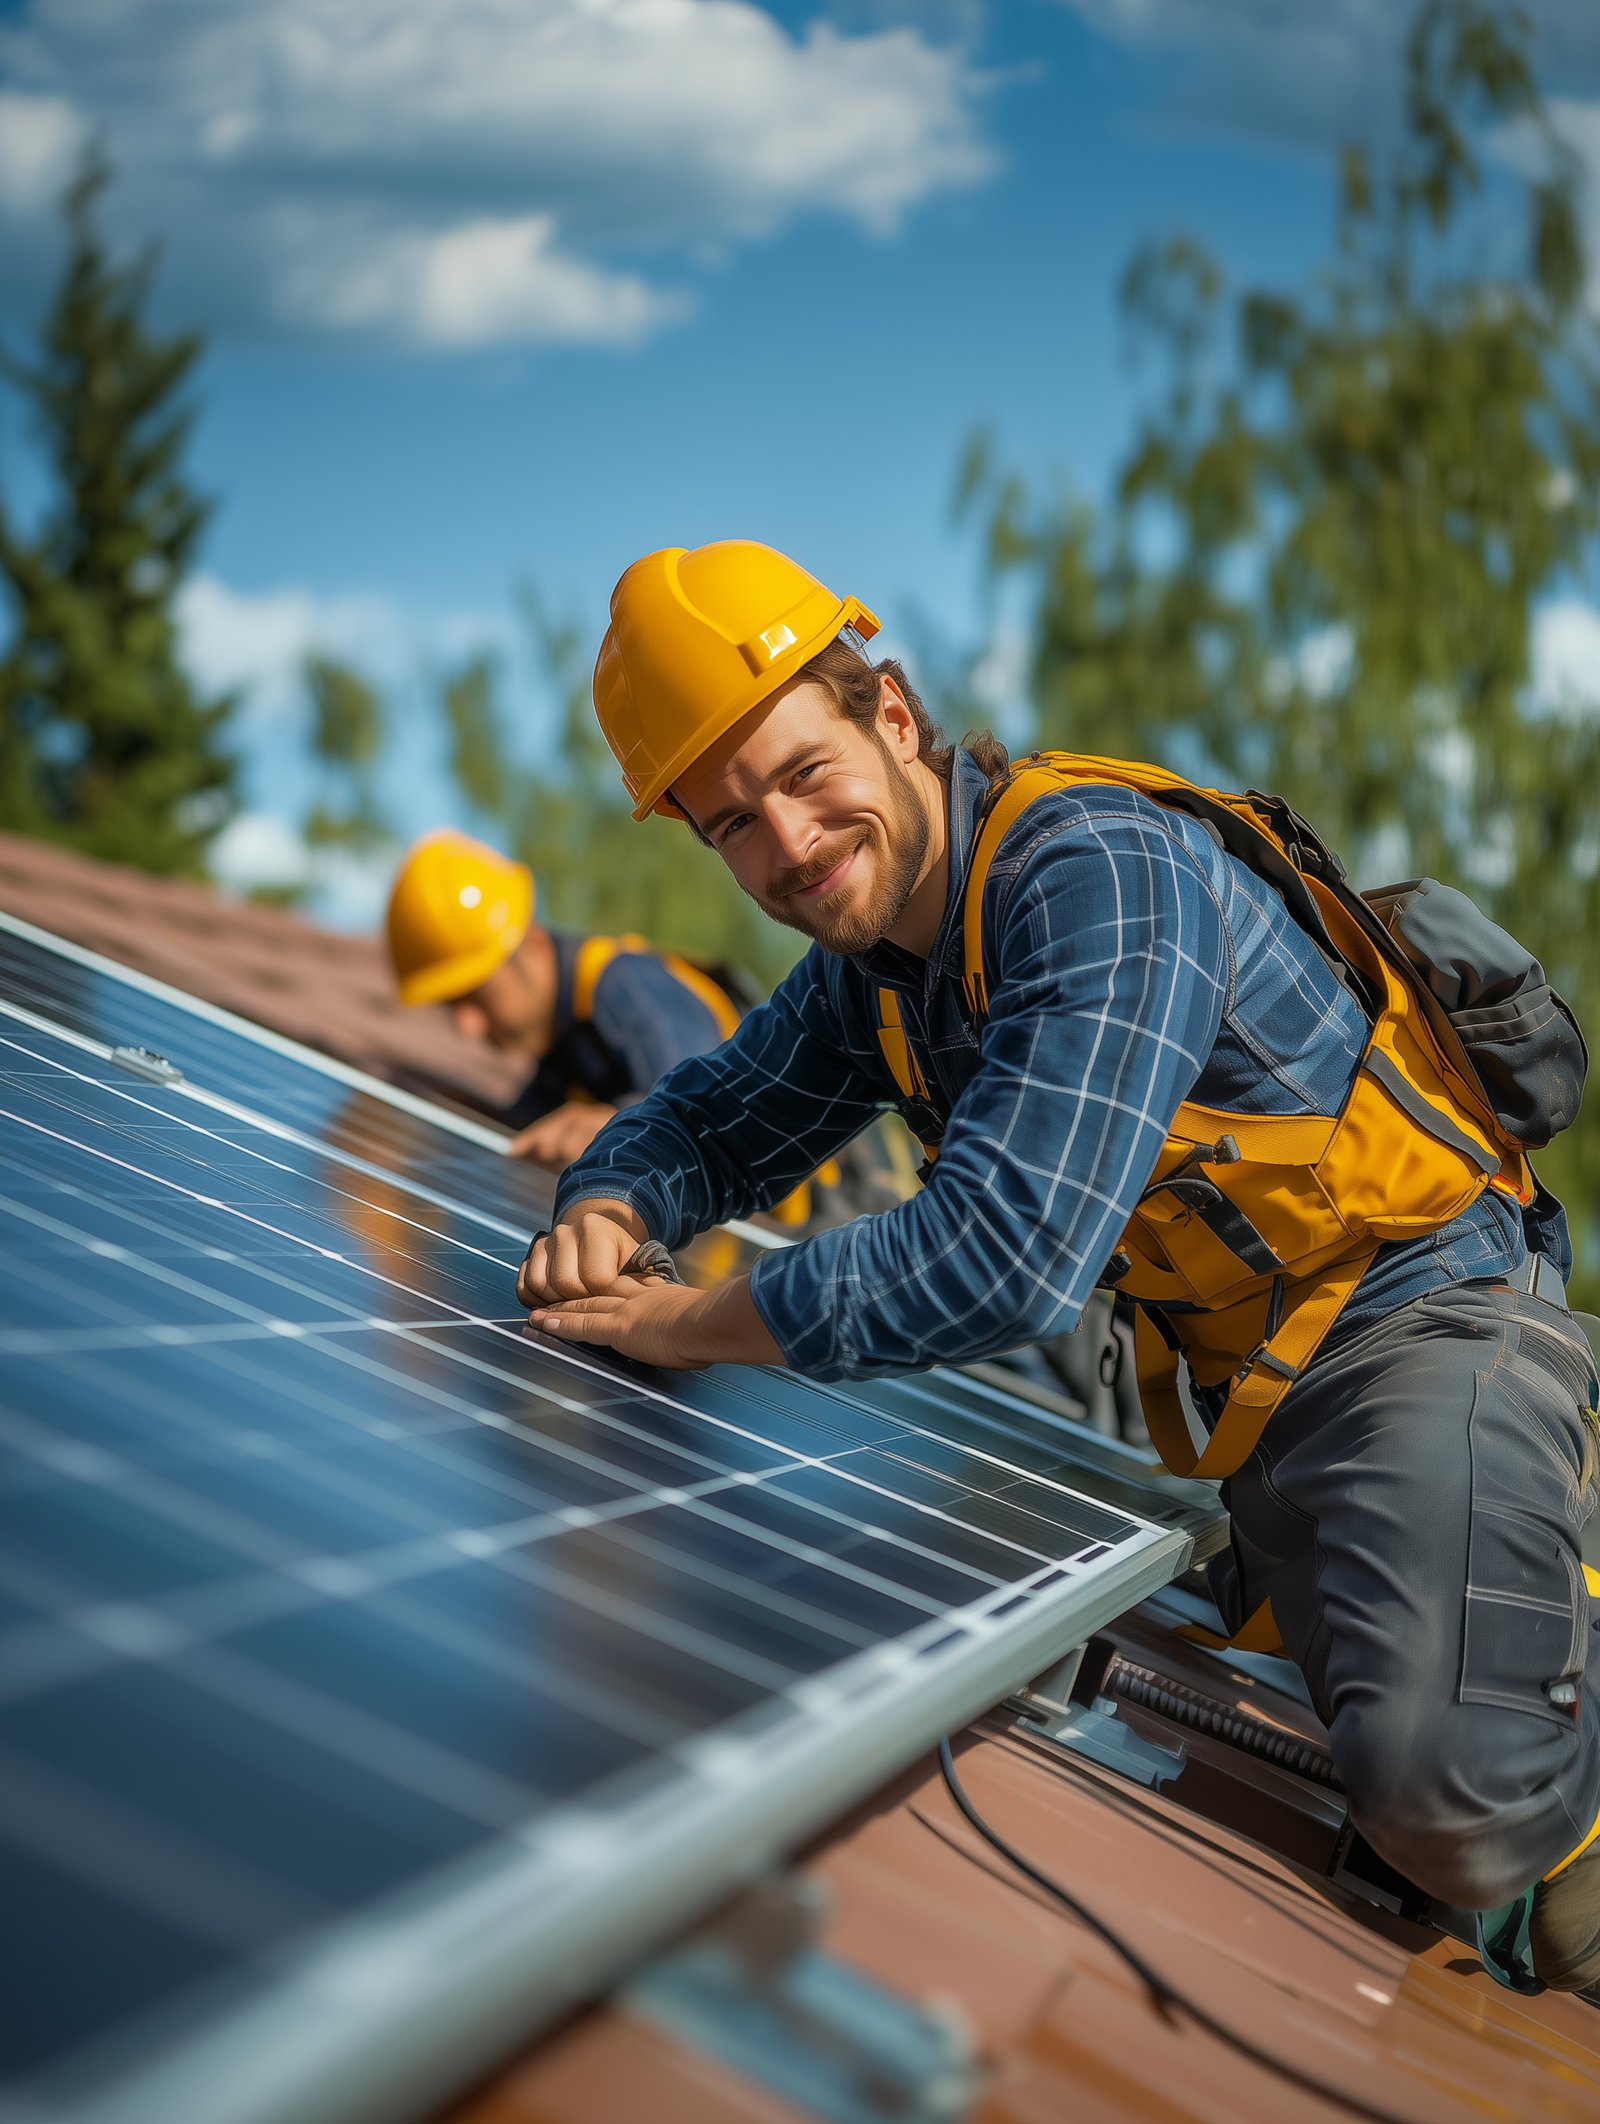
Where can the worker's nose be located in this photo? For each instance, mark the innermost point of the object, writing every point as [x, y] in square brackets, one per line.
[471, 1020]
[792, 832]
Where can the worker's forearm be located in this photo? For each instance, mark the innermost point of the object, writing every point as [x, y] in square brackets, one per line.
[725, 1328]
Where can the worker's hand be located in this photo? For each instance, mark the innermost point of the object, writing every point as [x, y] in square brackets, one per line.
[641, 1316]
[584, 1255]
[665, 1323]
[557, 1138]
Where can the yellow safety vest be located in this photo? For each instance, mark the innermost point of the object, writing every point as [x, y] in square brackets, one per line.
[1256, 1228]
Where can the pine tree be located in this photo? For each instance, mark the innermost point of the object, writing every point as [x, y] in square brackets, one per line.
[104, 743]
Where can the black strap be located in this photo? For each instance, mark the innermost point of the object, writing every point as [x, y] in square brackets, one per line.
[1222, 1218]
[1426, 1115]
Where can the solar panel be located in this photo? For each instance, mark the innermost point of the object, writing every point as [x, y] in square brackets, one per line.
[377, 1677]
[410, 1141]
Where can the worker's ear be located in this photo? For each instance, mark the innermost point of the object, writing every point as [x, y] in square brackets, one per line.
[896, 724]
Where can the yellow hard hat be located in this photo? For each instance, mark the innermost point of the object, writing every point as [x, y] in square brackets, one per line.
[696, 640]
[457, 910]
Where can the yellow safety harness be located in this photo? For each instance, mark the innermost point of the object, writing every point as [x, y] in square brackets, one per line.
[1255, 1229]
[595, 954]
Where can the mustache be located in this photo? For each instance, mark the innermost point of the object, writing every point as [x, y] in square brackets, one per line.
[816, 868]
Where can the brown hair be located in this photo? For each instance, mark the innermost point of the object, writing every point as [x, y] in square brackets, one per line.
[845, 670]
[856, 683]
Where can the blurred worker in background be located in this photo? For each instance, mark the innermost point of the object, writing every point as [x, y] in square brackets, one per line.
[599, 1019]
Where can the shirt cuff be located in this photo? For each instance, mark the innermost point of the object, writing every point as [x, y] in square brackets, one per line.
[597, 1190]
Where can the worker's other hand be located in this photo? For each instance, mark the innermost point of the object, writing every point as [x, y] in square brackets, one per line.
[557, 1138]
[583, 1256]
[641, 1317]
[665, 1323]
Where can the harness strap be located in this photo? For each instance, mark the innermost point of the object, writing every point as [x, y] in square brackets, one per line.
[595, 954]
[724, 1010]
[1260, 1384]
[897, 1048]
[1259, 1633]
[1007, 804]
[923, 1117]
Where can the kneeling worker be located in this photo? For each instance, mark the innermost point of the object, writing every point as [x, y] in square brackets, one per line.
[1150, 1038]
[598, 1018]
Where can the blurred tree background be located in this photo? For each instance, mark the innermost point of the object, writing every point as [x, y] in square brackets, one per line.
[1318, 567]
[104, 743]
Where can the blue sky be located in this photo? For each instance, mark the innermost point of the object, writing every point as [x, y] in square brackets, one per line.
[522, 288]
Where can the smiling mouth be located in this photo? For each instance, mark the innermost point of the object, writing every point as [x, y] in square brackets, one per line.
[830, 881]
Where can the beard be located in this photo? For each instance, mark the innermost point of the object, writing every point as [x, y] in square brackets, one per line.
[858, 927]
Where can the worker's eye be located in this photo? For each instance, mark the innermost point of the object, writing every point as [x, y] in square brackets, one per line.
[733, 829]
[805, 772]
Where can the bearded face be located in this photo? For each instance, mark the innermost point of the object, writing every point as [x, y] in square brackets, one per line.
[818, 817]
[854, 887]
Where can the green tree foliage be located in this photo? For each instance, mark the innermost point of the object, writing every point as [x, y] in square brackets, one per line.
[348, 733]
[1319, 566]
[567, 818]
[103, 742]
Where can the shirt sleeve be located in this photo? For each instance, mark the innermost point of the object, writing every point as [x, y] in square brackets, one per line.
[731, 1132]
[646, 1015]
[1109, 968]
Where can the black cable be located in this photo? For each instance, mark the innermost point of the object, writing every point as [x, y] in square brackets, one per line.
[1165, 1997]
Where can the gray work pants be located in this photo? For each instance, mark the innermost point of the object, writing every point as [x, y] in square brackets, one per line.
[1414, 1512]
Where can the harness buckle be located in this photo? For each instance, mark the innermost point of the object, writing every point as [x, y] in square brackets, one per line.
[1262, 1359]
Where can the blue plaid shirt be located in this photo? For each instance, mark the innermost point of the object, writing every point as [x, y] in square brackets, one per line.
[1131, 965]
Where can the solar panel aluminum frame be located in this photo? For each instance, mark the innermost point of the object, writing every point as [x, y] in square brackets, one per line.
[397, 2014]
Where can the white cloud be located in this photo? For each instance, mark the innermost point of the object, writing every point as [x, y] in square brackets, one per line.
[258, 848]
[1324, 660]
[1565, 657]
[40, 139]
[255, 642]
[261, 849]
[473, 285]
[484, 172]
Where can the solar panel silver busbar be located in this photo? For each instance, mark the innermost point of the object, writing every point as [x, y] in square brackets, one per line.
[378, 1680]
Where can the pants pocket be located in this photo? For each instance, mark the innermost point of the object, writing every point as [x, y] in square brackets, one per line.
[1526, 1623]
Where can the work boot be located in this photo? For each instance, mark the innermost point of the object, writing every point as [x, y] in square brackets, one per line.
[1564, 1923]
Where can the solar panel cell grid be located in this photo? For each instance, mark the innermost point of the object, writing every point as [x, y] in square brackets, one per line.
[328, 1591]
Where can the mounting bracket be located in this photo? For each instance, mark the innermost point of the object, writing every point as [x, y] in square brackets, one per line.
[1092, 1730]
[753, 1989]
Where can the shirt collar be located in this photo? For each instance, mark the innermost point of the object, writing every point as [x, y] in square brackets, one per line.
[891, 966]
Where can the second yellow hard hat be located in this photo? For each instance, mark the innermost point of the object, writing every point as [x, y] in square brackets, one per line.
[457, 910]
[697, 639]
